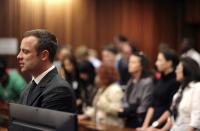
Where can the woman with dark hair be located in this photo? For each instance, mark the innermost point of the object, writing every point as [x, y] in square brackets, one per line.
[87, 71]
[138, 91]
[185, 109]
[70, 68]
[122, 66]
[70, 73]
[186, 100]
[164, 88]
[107, 99]
[87, 75]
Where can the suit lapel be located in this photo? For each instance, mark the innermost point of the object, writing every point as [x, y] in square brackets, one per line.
[23, 99]
[42, 86]
[37, 91]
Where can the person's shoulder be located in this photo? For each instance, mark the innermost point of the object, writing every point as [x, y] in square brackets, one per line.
[114, 89]
[114, 86]
[58, 86]
[195, 85]
[147, 80]
[13, 73]
[195, 88]
[193, 52]
[58, 82]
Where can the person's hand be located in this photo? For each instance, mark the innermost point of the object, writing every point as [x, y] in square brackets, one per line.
[78, 102]
[152, 129]
[121, 110]
[141, 129]
[82, 117]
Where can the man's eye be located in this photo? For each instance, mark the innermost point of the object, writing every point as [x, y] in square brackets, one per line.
[25, 51]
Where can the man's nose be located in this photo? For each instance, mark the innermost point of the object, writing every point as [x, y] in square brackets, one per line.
[19, 56]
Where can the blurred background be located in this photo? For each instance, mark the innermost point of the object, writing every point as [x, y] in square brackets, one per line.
[94, 22]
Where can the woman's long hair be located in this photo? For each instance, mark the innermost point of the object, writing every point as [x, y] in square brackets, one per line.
[144, 63]
[191, 71]
[68, 75]
[170, 55]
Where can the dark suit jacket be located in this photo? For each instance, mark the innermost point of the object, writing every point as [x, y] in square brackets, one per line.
[52, 92]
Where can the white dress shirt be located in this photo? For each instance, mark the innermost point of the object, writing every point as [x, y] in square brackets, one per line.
[39, 78]
[189, 109]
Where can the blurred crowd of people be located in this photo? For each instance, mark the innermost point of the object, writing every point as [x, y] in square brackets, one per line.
[121, 88]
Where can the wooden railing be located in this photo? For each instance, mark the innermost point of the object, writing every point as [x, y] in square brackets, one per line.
[86, 125]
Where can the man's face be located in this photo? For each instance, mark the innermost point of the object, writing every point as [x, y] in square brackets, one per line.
[28, 57]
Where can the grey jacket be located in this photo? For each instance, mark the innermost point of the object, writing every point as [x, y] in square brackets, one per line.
[139, 94]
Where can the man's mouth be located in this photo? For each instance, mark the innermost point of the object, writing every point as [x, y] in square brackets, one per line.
[21, 64]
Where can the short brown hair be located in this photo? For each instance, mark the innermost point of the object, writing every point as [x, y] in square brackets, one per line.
[46, 41]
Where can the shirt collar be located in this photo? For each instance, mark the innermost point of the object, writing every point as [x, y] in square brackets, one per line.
[39, 78]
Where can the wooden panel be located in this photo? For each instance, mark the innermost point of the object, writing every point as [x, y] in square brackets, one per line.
[147, 21]
[198, 40]
[3, 16]
[193, 11]
[94, 22]
[166, 23]
[149, 32]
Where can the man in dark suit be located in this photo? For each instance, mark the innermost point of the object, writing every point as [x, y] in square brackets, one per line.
[47, 89]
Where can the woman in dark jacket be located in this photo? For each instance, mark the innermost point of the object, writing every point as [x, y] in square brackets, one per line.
[164, 88]
[70, 73]
[87, 75]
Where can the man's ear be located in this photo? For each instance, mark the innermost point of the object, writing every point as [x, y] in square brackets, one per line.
[44, 55]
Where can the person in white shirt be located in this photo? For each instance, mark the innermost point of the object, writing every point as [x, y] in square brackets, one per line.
[187, 50]
[185, 108]
[186, 100]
